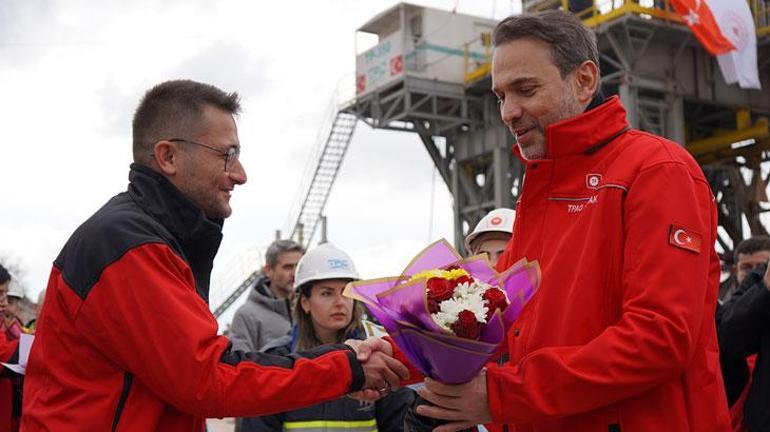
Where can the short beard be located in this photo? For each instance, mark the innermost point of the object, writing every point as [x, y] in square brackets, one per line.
[531, 153]
[568, 107]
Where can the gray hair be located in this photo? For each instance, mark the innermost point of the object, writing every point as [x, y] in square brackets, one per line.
[570, 40]
[281, 246]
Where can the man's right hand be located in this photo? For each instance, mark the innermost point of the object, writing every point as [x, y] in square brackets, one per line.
[382, 372]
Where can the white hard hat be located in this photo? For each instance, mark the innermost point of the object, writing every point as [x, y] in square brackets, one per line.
[498, 220]
[15, 290]
[324, 262]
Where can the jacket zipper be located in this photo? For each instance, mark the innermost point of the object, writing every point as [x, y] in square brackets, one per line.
[127, 380]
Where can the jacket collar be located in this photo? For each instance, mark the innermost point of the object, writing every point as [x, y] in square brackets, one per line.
[262, 294]
[197, 235]
[166, 204]
[590, 129]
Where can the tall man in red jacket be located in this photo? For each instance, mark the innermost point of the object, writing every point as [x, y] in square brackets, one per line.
[126, 341]
[621, 335]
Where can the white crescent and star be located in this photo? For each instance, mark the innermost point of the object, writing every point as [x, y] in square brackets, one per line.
[692, 17]
[677, 237]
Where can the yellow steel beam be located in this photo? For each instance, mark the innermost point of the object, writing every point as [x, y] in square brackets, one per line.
[730, 154]
[630, 8]
[481, 71]
[723, 141]
[743, 118]
[761, 13]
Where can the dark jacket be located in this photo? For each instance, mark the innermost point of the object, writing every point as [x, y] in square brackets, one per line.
[339, 415]
[262, 319]
[744, 329]
[127, 342]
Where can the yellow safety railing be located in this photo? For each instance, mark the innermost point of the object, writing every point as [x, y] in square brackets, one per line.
[609, 10]
[603, 11]
[761, 11]
[476, 69]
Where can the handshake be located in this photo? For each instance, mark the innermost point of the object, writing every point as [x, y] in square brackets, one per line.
[439, 407]
[383, 373]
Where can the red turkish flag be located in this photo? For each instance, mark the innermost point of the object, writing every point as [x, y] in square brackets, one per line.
[681, 237]
[699, 17]
[360, 83]
[396, 65]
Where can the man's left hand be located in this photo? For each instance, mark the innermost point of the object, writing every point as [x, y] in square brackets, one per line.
[464, 405]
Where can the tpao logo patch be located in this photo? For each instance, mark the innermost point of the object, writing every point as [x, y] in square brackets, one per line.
[593, 181]
[337, 264]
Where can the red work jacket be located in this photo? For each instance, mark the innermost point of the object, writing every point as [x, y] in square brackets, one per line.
[621, 334]
[7, 420]
[126, 341]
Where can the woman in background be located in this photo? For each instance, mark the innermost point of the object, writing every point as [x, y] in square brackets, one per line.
[324, 316]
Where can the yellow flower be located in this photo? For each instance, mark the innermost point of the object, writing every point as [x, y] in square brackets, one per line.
[456, 273]
[438, 273]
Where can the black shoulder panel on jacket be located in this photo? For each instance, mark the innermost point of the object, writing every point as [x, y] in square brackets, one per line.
[119, 226]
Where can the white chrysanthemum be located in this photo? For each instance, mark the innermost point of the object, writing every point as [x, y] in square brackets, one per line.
[466, 296]
[475, 304]
[466, 289]
[449, 310]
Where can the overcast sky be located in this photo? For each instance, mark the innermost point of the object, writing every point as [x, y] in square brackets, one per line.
[72, 72]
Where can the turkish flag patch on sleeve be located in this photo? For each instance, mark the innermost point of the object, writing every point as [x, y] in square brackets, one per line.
[681, 237]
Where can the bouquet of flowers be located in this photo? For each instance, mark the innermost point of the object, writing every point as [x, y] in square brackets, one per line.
[449, 315]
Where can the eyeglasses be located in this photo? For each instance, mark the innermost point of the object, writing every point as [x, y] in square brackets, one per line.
[231, 154]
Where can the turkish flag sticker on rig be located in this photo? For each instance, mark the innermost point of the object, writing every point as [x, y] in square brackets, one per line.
[683, 238]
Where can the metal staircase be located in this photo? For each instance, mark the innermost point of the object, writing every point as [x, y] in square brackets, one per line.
[322, 172]
[237, 293]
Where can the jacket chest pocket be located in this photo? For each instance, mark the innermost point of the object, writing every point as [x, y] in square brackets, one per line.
[585, 235]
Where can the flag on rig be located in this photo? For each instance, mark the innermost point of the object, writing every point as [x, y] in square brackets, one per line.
[726, 29]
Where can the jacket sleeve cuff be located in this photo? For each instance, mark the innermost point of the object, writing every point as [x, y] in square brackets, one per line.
[415, 376]
[356, 371]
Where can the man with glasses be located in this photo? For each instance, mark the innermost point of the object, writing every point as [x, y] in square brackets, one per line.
[127, 341]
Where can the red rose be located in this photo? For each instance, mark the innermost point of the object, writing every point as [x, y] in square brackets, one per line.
[467, 326]
[439, 289]
[495, 299]
[452, 267]
[463, 279]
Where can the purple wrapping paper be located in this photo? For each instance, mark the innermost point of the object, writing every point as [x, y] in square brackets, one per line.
[401, 307]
